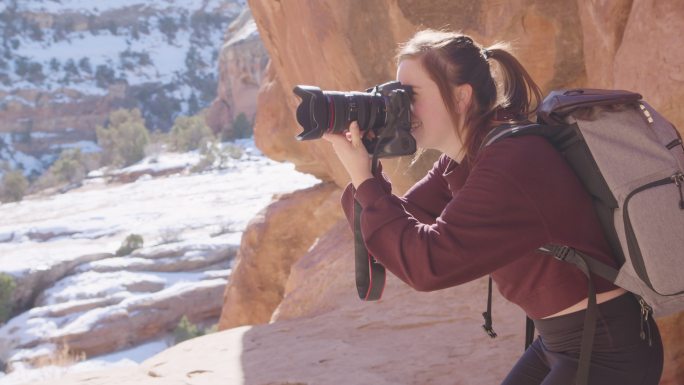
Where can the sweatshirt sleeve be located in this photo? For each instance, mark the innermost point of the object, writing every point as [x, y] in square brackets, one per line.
[490, 222]
[425, 200]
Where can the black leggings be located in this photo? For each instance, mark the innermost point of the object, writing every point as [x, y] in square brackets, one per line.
[619, 355]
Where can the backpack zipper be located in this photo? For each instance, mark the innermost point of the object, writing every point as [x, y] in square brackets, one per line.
[645, 313]
[678, 180]
[632, 245]
[673, 144]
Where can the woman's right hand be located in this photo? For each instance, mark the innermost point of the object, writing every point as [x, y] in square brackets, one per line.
[352, 153]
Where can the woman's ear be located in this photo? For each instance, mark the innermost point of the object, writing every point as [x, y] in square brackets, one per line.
[464, 94]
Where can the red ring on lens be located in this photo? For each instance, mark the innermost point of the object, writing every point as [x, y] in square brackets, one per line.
[331, 110]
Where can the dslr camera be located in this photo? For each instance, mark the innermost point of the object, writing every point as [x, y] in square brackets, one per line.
[382, 112]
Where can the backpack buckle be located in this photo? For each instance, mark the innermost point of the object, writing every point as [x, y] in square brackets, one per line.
[562, 252]
[488, 325]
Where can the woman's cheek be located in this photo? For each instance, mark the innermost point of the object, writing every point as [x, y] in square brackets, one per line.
[415, 111]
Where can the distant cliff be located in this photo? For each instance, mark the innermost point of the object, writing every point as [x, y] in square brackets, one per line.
[242, 64]
[64, 66]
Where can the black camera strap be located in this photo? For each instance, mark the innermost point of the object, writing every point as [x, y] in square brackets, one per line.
[370, 274]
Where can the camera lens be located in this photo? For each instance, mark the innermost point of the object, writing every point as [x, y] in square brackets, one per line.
[385, 110]
[332, 111]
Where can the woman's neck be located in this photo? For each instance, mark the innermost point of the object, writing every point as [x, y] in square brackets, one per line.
[455, 155]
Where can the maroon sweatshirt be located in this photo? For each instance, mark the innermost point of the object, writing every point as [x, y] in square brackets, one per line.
[455, 225]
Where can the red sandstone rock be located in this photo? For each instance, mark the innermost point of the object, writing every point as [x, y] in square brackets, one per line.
[276, 238]
[624, 44]
[242, 64]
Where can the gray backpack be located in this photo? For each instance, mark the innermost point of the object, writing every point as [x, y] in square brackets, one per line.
[631, 160]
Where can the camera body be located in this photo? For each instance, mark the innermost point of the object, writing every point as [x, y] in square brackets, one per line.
[382, 112]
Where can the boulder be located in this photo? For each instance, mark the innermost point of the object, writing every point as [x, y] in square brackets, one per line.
[35, 281]
[276, 238]
[174, 257]
[92, 327]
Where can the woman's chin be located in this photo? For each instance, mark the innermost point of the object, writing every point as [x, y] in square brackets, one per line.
[420, 140]
[415, 132]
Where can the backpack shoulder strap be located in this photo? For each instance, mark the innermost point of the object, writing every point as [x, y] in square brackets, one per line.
[571, 255]
[580, 260]
[559, 134]
[510, 130]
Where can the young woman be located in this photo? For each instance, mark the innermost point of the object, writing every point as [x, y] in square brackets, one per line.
[480, 212]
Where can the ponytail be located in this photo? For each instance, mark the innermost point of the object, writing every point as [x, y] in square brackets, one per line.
[520, 95]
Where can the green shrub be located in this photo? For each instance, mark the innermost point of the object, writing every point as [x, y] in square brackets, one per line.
[187, 330]
[168, 26]
[70, 68]
[232, 151]
[242, 128]
[124, 139]
[157, 144]
[190, 133]
[14, 186]
[218, 155]
[71, 167]
[104, 76]
[169, 235]
[208, 151]
[7, 286]
[132, 242]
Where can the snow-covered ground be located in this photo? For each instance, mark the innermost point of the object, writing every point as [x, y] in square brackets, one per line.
[124, 358]
[190, 216]
[97, 217]
[97, 7]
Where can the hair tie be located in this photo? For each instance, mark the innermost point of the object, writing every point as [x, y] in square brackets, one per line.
[463, 40]
[486, 54]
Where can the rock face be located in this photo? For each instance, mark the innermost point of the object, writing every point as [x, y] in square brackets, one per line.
[242, 64]
[38, 123]
[624, 45]
[562, 44]
[276, 238]
[31, 285]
